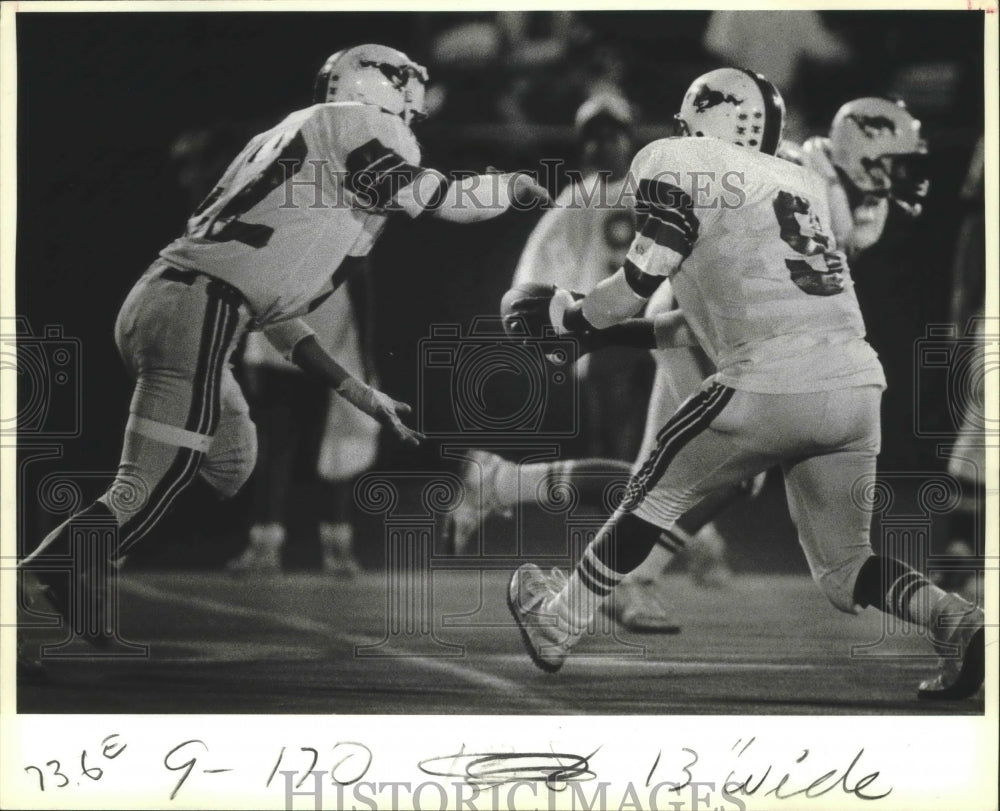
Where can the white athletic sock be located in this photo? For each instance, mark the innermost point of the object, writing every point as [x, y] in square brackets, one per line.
[267, 536]
[516, 483]
[336, 535]
[586, 588]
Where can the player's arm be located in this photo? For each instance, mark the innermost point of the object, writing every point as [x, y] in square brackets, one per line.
[383, 173]
[528, 311]
[663, 331]
[297, 342]
[468, 199]
[667, 230]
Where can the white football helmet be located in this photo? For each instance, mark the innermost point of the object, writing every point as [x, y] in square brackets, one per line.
[734, 105]
[376, 75]
[876, 143]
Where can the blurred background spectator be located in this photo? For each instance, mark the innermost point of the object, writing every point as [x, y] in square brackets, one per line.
[581, 241]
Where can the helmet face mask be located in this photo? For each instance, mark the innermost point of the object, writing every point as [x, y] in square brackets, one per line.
[736, 106]
[377, 75]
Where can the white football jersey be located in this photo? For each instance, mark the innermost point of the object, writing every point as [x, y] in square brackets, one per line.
[295, 202]
[745, 240]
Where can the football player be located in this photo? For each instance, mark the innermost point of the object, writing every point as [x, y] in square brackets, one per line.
[576, 244]
[874, 156]
[280, 231]
[762, 287]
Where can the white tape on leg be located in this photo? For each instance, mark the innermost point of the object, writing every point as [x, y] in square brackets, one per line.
[168, 434]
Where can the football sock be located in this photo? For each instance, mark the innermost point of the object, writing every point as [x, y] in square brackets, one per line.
[895, 588]
[336, 536]
[57, 541]
[591, 480]
[623, 543]
[267, 537]
[77, 559]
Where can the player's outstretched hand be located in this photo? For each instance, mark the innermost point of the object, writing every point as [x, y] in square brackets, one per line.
[382, 408]
[389, 413]
[527, 192]
[561, 301]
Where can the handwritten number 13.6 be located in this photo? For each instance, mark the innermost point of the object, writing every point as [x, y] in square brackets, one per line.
[110, 751]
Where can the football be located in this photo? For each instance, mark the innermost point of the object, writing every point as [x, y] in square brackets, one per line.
[524, 309]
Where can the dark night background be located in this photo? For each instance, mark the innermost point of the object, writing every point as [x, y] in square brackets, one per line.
[103, 97]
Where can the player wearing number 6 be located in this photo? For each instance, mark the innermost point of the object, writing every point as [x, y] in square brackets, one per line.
[761, 286]
[275, 237]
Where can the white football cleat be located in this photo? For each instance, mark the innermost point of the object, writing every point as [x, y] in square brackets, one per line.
[547, 638]
[961, 648]
[480, 502]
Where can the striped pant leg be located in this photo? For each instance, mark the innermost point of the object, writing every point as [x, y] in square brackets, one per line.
[179, 345]
[233, 453]
[693, 458]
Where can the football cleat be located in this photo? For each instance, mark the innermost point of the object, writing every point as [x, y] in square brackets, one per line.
[736, 106]
[81, 594]
[376, 75]
[30, 669]
[638, 606]
[961, 648]
[546, 636]
[480, 502]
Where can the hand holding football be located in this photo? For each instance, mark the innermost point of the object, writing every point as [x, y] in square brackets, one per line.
[524, 309]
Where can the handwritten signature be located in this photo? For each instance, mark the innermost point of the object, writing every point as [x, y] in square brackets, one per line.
[497, 768]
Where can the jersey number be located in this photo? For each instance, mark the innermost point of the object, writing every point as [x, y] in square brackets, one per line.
[821, 271]
[281, 158]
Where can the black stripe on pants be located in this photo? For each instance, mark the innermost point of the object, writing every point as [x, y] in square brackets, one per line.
[693, 417]
[218, 329]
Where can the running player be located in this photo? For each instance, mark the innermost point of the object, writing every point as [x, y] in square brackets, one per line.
[872, 158]
[761, 286]
[576, 244]
[279, 233]
[865, 168]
